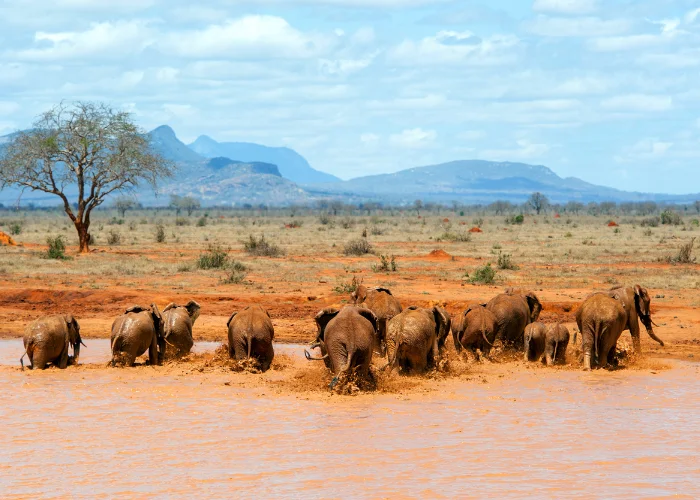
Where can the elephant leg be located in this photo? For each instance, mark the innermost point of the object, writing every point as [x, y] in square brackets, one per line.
[153, 352]
[63, 360]
[240, 348]
[268, 357]
[39, 360]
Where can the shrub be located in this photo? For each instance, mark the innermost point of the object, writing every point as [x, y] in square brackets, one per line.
[160, 233]
[15, 228]
[685, 254]
[201, 222]
[235, 273]
[324, 219]
[57, 248]
[376, 231]
[215, 257]
[650, 222]
[484, 275]
[114, 221]
[261, 247]
[113, 237]
[505, 262]
[515, 219]
[182, 221]
[478, 222]
[344, 288]
[387, 263]
[347, 223]
[695, 222]
[671, 217]
[647, 232]
[357, 247]
[461, 237]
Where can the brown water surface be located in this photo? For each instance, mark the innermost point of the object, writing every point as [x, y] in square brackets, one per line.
[146, 432]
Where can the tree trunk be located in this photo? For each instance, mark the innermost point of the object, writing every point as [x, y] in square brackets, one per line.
[83, 237]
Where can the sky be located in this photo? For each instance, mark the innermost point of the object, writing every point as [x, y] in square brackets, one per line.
[607, 91]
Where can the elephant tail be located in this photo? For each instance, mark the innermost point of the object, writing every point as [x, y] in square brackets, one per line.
[393, 362]
[483, 332]
[27, 353]
[554, 358]
[250, 345]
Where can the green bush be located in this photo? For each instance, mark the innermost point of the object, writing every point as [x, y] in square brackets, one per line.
[201, 222]
[357, 247]
[260, 247]
[182, 221]
[506, 262]
[515, 219]
[650, 222]
[113, 237]
[15, 228]
[461, 237]
[671, 217]
[387, 264]
[484, 275]
[235, 273]
[160, 233]
[57, 248]
[214, 258]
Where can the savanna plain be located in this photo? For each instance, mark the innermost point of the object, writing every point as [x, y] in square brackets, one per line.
[498, 428]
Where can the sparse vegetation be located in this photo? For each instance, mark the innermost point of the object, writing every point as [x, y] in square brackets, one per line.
[484, 275]
[515, 219]
[260, 247]
[113, 237]
[215, 257]
[57, 248]
[160, 233]
[344, 287]
[461, 237]
[357, 247]
[671, 217]
[387, 264]
[235, 273]
[505, 261]
[15, 228]
[684, 255]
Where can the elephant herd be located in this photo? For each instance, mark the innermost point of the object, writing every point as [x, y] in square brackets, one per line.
[412, 339]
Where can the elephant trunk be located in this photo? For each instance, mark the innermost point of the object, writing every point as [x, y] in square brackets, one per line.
[76, 352]
[648, 324]
[308, 355]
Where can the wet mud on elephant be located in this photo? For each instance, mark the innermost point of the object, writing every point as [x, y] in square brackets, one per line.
[47, 341]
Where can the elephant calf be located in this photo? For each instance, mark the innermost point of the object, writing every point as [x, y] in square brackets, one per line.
[47, 340]
[534, 341]
[250, 335]
[474, 329]
[384, 306]
[556, 342]
[138, 330]
[416, 337]
[177, 327]
[346, 339]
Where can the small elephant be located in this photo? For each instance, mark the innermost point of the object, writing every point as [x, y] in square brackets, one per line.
[138, 330]
[47, 339]
[534, 341]
[384, 306]
[346, 339]
[556, 342]
[416, 337]
[474, 329]
[514, 310]
[250, 335]
[177, 327]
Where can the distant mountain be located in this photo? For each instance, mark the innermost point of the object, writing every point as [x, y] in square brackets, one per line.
[291, 164]
[164, 140]
[480, 181]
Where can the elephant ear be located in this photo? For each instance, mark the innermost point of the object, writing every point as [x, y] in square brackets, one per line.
[380, 289]
[535, 306]
[642, 301]
[193, 310]
[172, 305]
[230, 318]
[157, 319]
[322, 318]
[360, 294]
[371, 317]
[442, 320]
[136, 309]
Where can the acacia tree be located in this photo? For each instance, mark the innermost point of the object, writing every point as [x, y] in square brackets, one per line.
[84, 151]
[123, 204]
[538, 202]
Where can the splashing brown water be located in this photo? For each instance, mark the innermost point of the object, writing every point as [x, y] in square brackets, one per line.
[491, 430]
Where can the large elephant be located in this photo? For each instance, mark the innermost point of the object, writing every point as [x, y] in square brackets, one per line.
[474, 329]
[346, 340]
[47, 340]
[556, 343]
[138, 330]
[177, 327]
[250, 335]
[416, 337]
[514, 310]
[637, 304]
[384, 306]
[601, 320]
[534, 341]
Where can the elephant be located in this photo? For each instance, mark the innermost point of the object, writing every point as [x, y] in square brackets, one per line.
[346, 339]
[384, 306]
[514, 310]
[556, 342]
[637, 306]
[177, 326]
[138, 330]
[474, 329]
[416, 338]
[534, 341]
[601, 320]
[47, 339]
[250, 335]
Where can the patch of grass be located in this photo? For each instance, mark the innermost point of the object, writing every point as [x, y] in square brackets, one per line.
[568, 235]
[182, 221]
[387, 264]
[684, 256]
[260, 247]
[505, 261]
[357, 247]
[216, 257]
[15, 228]
[484, 275]
[235, 273]
[114, 237]
[201, 222]
[57, 248]
[344, 288]
[515, 219]
[461, 237]
[648, 232]
[650, 222]
[160, 233]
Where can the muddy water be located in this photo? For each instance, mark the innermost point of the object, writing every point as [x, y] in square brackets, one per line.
[138, 433]
[98, 350]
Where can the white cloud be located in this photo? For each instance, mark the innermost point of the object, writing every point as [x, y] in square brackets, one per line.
[638, 103]
[525, 150]
[471, 135]
[676, 60]
[692, 16]
[621, 43]
[565, 6]
[576, 26]
[414, 138]
[451, 47]
[646, 149]
[344, 67]
[108, 40]
[255, 37]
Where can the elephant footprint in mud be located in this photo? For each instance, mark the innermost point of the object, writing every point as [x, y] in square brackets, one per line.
[346, 338]
[138, 330]
[47, 341]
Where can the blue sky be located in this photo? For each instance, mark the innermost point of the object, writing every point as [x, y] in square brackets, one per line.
[608, 91]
